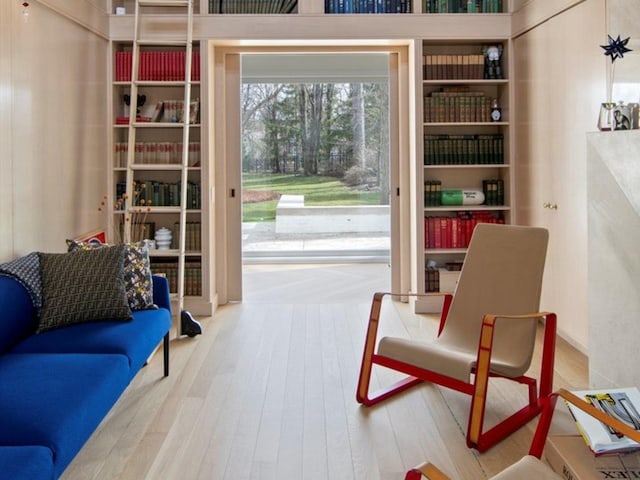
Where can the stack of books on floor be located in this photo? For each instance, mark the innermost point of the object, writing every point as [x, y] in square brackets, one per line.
[594, 451]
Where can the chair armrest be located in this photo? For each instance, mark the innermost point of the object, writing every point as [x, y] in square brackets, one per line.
[483, 363]
[426, 470]
[377, 303]
[161, 296]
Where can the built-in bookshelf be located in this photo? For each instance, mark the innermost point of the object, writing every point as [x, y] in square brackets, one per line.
[157, 159]
[284, 7]
[466, 161]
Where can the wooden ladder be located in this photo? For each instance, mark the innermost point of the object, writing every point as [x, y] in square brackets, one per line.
[187, 324]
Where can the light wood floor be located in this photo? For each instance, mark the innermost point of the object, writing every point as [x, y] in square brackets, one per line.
[268, 392]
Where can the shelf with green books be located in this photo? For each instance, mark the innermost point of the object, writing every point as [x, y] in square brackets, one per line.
[466, 161]
[464, 6]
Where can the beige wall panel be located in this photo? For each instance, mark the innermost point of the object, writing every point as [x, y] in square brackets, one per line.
[528, 14]
[558, 95]
[58, 131]
[8, 11]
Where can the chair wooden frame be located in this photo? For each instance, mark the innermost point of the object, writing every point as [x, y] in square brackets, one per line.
[431, 472]
[477, 388]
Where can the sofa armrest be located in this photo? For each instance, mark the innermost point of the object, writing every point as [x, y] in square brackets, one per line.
[161, 296]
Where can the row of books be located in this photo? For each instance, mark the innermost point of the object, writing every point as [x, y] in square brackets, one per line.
[253, 6]
[493, 190]
[151, 193]
[167, 111]
[457, 106]
[464, 149]
[455, 231]
[432, 279]
[432, 193]
[157, 65]
[462, 6]
[192, 276]
[453, 67]
[367, 6]
[156, 153]
[193, 235]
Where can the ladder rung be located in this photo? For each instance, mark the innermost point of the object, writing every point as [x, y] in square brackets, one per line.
[163, 3]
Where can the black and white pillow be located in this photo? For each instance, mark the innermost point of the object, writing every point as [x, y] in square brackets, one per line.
[137, 271]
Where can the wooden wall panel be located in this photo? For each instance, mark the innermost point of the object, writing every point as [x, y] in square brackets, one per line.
[57, 81]
[560, 82]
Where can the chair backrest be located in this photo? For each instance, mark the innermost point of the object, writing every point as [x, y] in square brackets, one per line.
[502, 274]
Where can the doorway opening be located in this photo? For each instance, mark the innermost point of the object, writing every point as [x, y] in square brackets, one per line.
[315, 157]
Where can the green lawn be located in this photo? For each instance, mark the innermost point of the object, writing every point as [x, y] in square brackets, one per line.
[316, 190]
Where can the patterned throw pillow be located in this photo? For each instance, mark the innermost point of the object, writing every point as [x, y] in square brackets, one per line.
[137, 271]
[82, 286]
[26, 271]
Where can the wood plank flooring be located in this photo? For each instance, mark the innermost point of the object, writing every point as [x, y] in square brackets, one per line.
[268, 392]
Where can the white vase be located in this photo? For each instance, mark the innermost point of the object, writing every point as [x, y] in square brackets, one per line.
[163, 238]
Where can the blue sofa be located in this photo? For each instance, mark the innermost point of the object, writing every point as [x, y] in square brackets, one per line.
[57, 386]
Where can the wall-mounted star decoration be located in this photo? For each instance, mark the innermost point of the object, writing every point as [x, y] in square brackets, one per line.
[616, 47]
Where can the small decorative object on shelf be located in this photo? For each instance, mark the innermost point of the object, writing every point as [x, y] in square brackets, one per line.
[496, 113]
[492, 66]
[163, 238]
[140, 102]
[612, 116]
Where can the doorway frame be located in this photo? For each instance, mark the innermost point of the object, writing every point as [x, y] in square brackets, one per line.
[226, 172]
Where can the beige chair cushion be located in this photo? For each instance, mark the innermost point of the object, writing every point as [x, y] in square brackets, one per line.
[528, 467]
[502, 274]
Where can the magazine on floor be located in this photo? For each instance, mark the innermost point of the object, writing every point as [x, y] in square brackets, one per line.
[622, 403]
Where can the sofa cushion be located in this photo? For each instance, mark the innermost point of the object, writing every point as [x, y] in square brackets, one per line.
[18, 316]
[135, 339]
[82, 286]
[30, 462]
[57, 401]
[137, 271]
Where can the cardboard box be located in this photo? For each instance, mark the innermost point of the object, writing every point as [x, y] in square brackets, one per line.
[570, 457]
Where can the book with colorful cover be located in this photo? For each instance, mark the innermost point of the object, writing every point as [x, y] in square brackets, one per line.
[621, 403]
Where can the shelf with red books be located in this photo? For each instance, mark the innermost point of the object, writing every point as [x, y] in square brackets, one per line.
[466, 151]
[156, 163]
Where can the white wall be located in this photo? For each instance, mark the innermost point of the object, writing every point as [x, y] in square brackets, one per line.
[53, 81]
